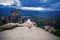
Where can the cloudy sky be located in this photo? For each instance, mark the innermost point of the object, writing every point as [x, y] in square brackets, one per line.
[35, 5]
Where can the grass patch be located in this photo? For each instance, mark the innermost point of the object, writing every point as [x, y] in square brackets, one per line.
[56, 32]
[14, 26]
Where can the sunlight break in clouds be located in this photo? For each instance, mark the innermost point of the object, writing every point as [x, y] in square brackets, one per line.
[36, 9]
[10, 2]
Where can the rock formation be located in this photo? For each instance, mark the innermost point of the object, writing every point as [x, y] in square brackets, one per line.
[24, 33]
[29, 24]
[8, 26]
[14, 17]
[49, 28]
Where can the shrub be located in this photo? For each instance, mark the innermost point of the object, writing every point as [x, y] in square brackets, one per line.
[14, 26]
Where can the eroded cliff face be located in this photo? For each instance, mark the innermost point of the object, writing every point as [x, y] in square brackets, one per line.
[14, 17]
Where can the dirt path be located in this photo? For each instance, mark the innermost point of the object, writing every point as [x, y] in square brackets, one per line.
[24, 33]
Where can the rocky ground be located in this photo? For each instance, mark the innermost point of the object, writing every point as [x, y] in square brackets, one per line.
[28, 31]
[24, 33]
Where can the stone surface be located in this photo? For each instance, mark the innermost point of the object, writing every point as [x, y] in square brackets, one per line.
[24, 33]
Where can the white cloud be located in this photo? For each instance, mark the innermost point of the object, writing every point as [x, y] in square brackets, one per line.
[18, 2]
[36, 9]
[6, 2]
[10, 2]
